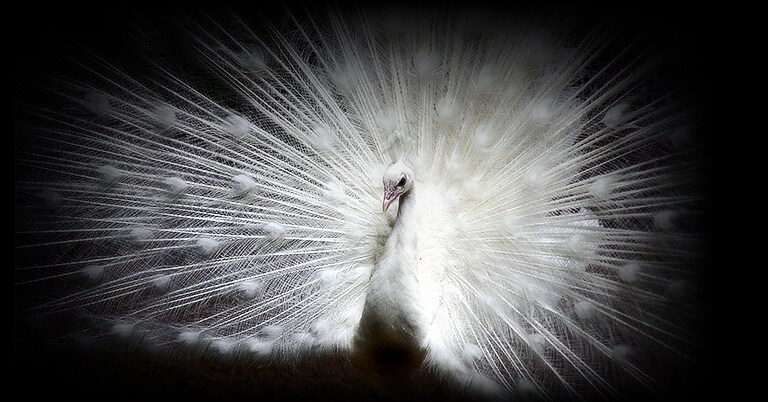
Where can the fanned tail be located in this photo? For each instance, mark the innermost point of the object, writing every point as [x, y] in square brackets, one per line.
[235, 209]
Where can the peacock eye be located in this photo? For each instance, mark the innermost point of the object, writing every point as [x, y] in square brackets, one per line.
[401, 183]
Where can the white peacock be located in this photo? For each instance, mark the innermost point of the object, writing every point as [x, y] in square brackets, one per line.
[536, 236]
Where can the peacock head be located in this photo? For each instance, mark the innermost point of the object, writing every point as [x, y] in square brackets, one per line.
[398, 180]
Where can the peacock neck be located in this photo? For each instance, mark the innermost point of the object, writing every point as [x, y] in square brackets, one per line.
[391, 315]
[400, 249]
[406, 206]
[402, 243]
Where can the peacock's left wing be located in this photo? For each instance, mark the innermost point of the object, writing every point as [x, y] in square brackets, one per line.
[178, 220]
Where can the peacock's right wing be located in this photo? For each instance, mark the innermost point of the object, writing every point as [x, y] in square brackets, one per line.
[180, 221]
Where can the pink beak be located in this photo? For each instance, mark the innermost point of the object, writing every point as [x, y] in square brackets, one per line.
[389, 197]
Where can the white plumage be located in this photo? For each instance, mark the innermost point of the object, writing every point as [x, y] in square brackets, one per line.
[544, 248]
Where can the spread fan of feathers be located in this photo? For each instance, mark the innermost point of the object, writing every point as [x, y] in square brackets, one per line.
[540, 238]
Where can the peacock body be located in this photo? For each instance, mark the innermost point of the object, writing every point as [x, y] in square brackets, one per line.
[547, 245]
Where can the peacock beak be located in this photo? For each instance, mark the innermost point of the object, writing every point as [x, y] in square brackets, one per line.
[389, 197]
